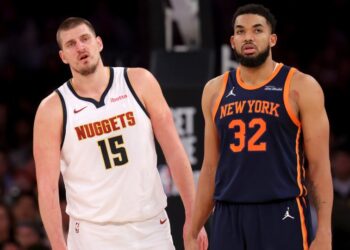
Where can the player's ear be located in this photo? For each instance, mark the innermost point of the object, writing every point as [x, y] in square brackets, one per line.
[232, 42]
[100, 43]
[273, 40]
[61, 54]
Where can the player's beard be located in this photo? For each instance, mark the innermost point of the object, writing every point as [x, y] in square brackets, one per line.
[88, 69]
[253, 61]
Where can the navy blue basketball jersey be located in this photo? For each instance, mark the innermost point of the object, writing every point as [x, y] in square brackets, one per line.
[260, 140]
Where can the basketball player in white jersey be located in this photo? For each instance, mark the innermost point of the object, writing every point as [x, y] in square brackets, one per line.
[98, 129]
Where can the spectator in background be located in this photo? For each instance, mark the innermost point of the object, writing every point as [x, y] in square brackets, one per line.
[341, 208]
[6, 225]
[25, 209]
[8, 186]
[12, 245]
[28, 236]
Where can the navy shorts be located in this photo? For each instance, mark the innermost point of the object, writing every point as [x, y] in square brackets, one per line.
[261, 226]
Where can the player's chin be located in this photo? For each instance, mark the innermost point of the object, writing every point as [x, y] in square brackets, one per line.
[250, 55]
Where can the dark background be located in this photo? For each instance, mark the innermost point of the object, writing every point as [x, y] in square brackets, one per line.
[312, 36]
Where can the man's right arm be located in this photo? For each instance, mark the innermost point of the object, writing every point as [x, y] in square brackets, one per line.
[204, 202]
[47, 136]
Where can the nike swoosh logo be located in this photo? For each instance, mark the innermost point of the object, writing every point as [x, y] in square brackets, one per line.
[162, 221]
[78, 110]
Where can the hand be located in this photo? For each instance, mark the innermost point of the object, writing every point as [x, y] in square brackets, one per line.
[193, 243]
[202, 240]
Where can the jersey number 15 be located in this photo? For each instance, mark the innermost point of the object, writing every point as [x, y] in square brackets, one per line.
[113, 151]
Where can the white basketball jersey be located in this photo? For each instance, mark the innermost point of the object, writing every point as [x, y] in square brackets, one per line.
[108, 156]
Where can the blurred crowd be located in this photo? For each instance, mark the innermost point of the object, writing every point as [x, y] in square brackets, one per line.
[316, 42]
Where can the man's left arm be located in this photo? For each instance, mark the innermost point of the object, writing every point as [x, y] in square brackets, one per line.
[315, 127]
[165, 132]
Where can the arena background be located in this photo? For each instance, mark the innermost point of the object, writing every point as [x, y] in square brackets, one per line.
[183, 43]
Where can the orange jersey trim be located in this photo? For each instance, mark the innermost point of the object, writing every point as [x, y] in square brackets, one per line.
[302, 225]
[256, 86]
[289, 109]
[299, 167]
[297, 122]
[221, 93]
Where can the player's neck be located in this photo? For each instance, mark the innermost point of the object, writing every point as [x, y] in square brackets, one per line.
[258, 74]
[92, 85]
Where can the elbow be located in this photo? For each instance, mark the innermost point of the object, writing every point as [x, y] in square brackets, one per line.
[165, 120]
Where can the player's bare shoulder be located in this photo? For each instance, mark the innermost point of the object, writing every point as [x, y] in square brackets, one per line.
[212, 89]
[50, 107]
[304, 85]
[142, 81]
[139, 77]
[215, 83]
[302, 80]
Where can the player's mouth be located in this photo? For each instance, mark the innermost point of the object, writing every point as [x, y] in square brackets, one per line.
[248, 49]
[83, 57]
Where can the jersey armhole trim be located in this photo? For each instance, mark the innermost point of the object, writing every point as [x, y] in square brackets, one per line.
[64, 116]
[290, 112]
[221, 94]
[126, 77]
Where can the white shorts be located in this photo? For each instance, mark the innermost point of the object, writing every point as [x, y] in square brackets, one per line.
[152, 234]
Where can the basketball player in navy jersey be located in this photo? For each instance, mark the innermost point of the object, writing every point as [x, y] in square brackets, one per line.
[263, 120]
[98, 129]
